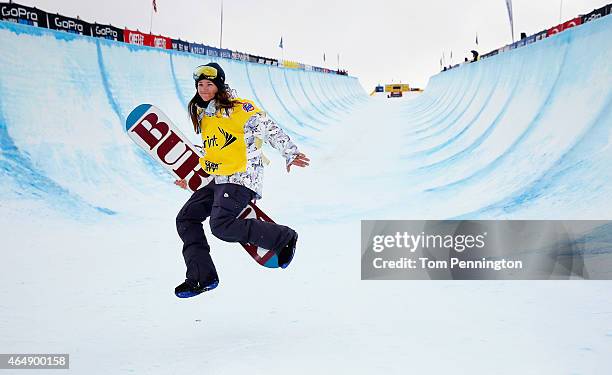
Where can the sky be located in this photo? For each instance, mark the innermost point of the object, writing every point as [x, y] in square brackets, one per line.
[378, 42]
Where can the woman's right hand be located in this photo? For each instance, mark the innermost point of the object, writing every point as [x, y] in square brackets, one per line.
[181, 183]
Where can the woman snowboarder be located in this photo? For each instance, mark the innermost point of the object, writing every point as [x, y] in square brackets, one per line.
[232, 131]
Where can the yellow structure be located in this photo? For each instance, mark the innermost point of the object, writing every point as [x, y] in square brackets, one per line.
[291, 64]
[397, 87]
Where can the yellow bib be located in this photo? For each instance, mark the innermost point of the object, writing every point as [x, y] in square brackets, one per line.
[223, 139]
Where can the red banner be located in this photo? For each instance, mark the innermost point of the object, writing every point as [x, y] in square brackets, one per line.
[158, 41]
[554, 30]
[571, 23]
[134, 37]
[142, 39]
[566, 25]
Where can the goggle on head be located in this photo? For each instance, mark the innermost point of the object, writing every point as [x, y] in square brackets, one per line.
[205, 72]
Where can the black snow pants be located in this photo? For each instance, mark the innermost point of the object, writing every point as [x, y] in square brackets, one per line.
[222, 203]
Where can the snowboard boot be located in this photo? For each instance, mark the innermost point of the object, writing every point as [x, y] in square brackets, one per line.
[285, 256]
[192, 288]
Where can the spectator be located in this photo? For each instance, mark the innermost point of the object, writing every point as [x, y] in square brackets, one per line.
[475, 56]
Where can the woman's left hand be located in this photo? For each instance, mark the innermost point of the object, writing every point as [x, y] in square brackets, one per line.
[300, 160]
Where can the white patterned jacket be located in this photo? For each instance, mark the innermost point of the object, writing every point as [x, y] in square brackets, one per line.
[258, 127]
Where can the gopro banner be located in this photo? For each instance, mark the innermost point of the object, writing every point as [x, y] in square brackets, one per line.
[71, 25]
[486, 250]
[107, 32]
[22, 14]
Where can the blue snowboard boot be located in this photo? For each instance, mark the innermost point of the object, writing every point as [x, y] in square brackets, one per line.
[285, 256]
[192, 288]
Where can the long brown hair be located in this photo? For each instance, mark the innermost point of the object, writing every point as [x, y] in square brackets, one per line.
[224, 100]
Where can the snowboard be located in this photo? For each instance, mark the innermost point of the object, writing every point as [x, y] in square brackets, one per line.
[157, 135]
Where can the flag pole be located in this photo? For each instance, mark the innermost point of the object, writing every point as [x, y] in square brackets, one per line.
[221, 36]
[151, 22]
[510, 17]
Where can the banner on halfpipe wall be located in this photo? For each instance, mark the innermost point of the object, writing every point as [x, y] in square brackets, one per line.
[596, 14]
[22, 14]
[199, 49]
[180, 45]
[158, 41]
[212, 51]
[142, 39]
[71, 25]
[134, 37]
[107, 32]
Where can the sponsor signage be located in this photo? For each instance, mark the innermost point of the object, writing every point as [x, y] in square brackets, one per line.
[71, 25]
[596, 14]
[225, 53]
[179, 45]
[107, 32]
[572, 23]
[134, 37]
[200, 49]
[158, 41]
[22, 14]
[142, 39]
